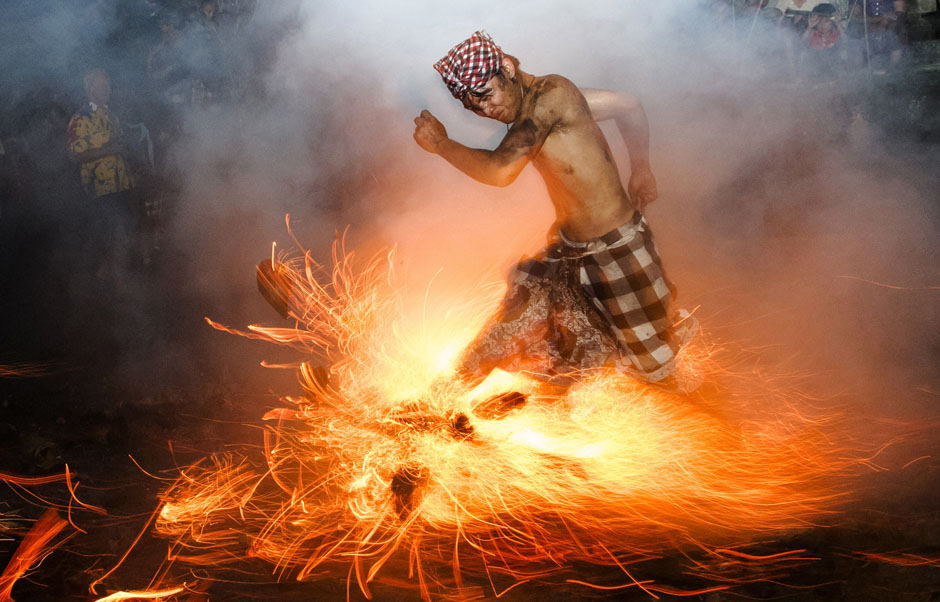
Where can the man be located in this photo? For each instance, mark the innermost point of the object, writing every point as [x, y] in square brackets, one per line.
[94, 142]
[886, 27]
[597, 295]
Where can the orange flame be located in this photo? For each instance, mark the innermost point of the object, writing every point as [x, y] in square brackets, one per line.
[142, 595]
[34, 547]
[388, 460]
[23, 370]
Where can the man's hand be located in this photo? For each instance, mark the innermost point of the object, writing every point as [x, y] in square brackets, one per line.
[429, 132]
[642, 186]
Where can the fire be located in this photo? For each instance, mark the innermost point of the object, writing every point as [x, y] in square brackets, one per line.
[23, 370]
[389, 464]
[36, 545]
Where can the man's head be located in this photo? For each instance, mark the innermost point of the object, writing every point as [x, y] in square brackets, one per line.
[482, 77]
[207, 8]
[98, 87]
[826, 13]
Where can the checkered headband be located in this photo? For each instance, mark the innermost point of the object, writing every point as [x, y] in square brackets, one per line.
[470, 64]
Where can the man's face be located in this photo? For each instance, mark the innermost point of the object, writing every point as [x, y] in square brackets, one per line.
[497, 99]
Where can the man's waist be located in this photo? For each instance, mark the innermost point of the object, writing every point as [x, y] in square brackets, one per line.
[626, 229]
[582, 231]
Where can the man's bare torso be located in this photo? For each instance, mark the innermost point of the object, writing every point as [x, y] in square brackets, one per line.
[554, 126]
[574, 158]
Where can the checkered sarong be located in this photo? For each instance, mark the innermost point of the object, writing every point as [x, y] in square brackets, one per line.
[581, 305]
[470, 64]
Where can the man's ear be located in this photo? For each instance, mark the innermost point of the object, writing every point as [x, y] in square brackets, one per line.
[508, 68]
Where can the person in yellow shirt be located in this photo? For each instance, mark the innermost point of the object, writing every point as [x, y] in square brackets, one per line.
[94, 142]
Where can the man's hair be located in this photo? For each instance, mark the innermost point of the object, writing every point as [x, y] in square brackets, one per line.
[515, 63]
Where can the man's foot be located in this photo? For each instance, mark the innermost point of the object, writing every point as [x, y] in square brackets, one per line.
[275, 286]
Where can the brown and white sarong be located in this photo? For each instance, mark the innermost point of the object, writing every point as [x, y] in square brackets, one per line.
[577, 306]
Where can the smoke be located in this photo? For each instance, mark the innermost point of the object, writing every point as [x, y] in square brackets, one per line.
[780, 207]
[783, 208]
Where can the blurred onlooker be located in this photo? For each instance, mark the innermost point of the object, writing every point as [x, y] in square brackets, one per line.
[823, 31]
[796, 13]
[885, 22]
[207, 14]
[94, 142]
[821, 43]
[204, 51]
[166, 65]
[794, 18]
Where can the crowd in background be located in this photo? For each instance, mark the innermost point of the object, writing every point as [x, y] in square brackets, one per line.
[87, 175]
[812, 40]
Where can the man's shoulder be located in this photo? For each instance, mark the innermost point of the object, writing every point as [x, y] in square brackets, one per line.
[553, 85]
[557, 94]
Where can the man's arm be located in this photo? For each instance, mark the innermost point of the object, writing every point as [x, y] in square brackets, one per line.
[91, 154]
[495, 167]
[79, 145]
[628, 114]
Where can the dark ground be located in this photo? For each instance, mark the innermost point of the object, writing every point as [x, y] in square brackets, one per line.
[100, 399]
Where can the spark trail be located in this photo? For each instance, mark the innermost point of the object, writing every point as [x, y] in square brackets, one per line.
[389, 466]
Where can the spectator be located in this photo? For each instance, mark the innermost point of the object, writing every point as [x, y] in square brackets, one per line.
[94, 142]
[165, 65]
[796, 13]
[204, 51]
[207, 14]
[821, 43]
[886, 24]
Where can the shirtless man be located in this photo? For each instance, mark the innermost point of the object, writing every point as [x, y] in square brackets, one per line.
[601, 270]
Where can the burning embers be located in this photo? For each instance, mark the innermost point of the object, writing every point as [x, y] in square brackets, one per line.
[409, 480]
[388, 463]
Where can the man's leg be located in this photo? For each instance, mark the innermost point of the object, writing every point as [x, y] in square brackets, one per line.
[513, 337]
[626, 282]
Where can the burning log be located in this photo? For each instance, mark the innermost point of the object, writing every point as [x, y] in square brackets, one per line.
[407, 486]
[500, 406]
[274, 285]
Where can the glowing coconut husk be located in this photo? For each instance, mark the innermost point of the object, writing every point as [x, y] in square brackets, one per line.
[389, 465]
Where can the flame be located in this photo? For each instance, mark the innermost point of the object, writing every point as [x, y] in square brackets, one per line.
[23, 370]
[390, 463]
[142, 595]
[37, 544]
[902, 558]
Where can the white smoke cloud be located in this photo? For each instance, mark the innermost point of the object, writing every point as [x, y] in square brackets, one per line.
[771, 192]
